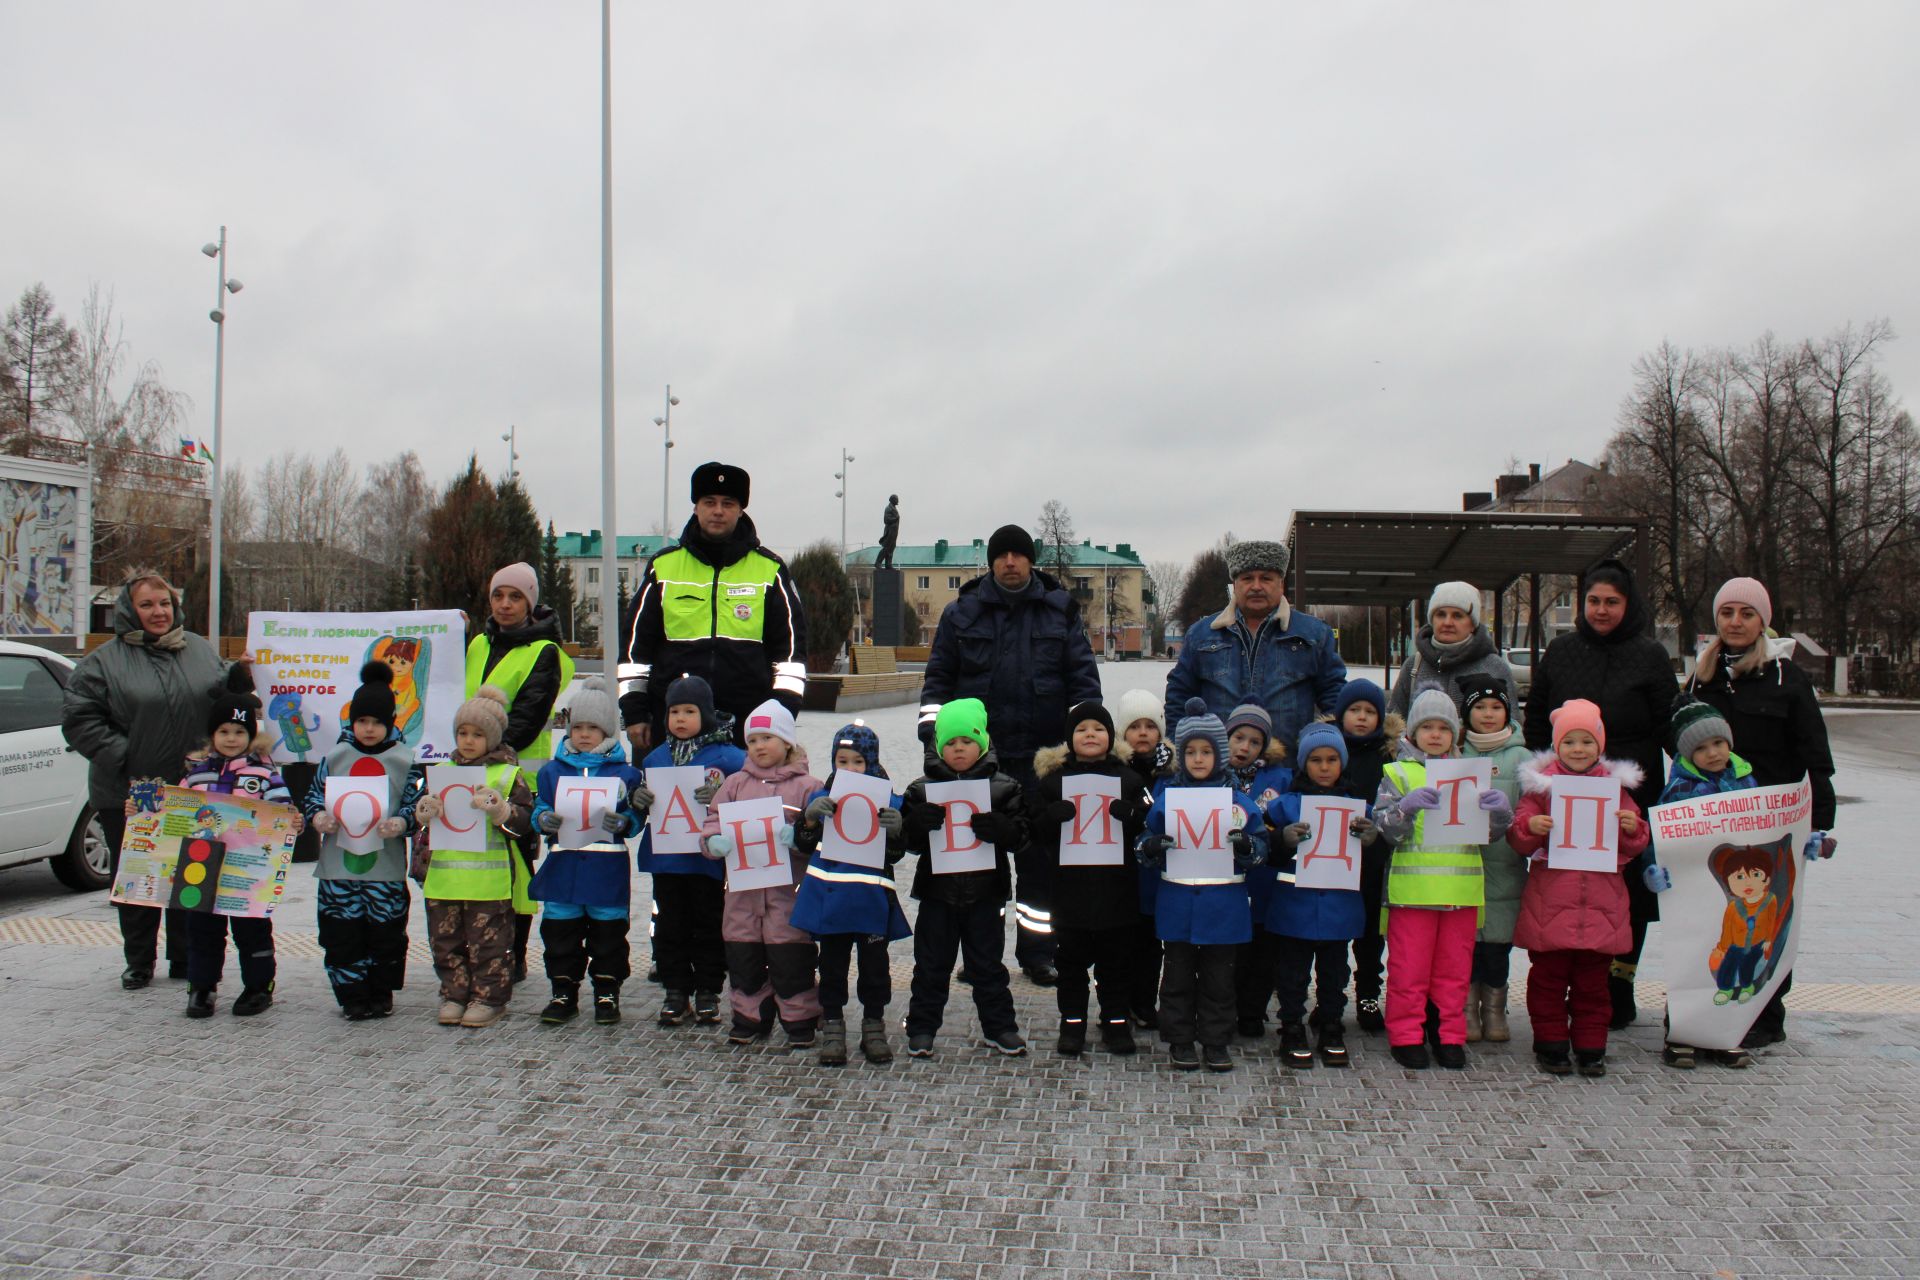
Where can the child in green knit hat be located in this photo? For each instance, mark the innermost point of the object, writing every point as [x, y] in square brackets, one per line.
[960, 907]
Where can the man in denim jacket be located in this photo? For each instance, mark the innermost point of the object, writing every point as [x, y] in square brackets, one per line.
[1259, 649]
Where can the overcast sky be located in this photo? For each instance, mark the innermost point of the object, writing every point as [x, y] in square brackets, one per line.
[1184, 267]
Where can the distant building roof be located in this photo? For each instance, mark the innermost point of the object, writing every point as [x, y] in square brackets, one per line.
[1576, 488]
[973, 555]
[577, 546]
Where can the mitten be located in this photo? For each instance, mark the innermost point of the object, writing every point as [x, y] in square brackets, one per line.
[1062, 811]
[614, 823]
[1293, 833]
[1493, 800]
[1421, 798]
[892, 821]
[785, 835]
[492, 803]
[1364, 828]
[427, 809]
[1657, 878]
[1246, 853]
[926, 817]
[717, 847]
[706, 791]
[641, 797]
[988, 826]
[821, 809]
[391, 827]
[325, 823]
[1128, 809]
[549, 822]
[1819, 845]
[1152, 850]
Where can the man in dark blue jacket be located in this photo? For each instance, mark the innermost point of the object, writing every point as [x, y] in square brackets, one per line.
[1259, 649]
[1014, 640]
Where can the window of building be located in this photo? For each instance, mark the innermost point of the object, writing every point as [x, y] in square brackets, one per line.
[1083, 583]
[593, 574]
[922, 609]
[953, 582]
[925, 582]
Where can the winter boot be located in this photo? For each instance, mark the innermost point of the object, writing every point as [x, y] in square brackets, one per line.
[1183, 1057]
[380, 1004]
[873, 1040]
[1620, 988]
[1217, 1057]
[802, 1035]
[1411, 1056]
[253, 1000]
[1294, 1049]
[920, 1045]
[1593, 1062]
[1117, 1036]
[1333, 1045]
[745, 1032]
[1367, 1012]
[477, 1016]
[565, 1005]
[833, 1042]
[1476, 997]
[706, 1008]
[606, 1003]
[673, 1009]
[134, 977]
[1681, 1057]
[1073, 1037]
[1552, 1057]
[199, 1002]
[1493, 1017]
[1451, 1056]
[451, 1011]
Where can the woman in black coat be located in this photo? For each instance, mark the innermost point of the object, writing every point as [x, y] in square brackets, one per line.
[1612, 659]
[1770, 705]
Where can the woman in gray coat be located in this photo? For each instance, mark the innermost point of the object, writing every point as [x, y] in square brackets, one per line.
[1451, 645]
[134, 708]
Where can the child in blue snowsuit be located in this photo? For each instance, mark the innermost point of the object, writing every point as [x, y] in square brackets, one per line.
[1255, 769]
[1201, 921]
[689, 889]
[1309, 929]
[586, 891]
[852, 909]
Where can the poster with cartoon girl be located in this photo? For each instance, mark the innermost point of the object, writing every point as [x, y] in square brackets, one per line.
[411, 659]
[1758, 882]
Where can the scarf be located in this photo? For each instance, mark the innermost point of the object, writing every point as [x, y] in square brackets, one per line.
[172, 641]
[1488, 743]
[684, 750]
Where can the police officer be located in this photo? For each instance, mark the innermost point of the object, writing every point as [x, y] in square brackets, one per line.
[719, 606]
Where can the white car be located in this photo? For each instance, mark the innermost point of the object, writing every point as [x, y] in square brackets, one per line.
[44, 815]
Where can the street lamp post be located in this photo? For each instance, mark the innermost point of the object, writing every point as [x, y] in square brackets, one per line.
[609, 530]
[513, 453]
[841, 476]
[222, 286]
[665, 423]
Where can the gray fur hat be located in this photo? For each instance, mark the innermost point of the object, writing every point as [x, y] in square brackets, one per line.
[1243, 557]
[594, 705]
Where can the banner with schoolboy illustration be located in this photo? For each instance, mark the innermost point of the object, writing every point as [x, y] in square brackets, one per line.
[196, 851]
[1734, 915]
[307, 665]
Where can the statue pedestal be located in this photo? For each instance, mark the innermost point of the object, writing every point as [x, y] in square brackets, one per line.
[886, 607]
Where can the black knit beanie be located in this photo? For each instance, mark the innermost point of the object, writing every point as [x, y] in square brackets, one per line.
[374, 697]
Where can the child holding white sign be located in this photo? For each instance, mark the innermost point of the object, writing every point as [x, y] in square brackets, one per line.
[1371, 736]
[1138, 715]
[849, 906]
[961, 910]
[362, 901]
[1309, 929]
[1202, 918]
[583, 808]
[1255, 766]
[468, 880]
[1088, 841]
[770, 960]
[1491, 736]
[688, 889]
[1573, 922]
[1434, 892]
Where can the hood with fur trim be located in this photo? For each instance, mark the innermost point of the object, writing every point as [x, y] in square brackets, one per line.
[1052, 759]
[1538, 773]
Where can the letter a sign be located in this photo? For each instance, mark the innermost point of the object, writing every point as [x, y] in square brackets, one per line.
[1586, 824]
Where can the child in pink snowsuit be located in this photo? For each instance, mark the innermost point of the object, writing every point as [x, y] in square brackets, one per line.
[1573, 923]
[770, 964]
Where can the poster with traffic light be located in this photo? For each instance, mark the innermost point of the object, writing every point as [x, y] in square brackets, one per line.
[225, 854]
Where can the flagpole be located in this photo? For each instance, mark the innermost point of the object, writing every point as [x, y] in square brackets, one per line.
[219, 318]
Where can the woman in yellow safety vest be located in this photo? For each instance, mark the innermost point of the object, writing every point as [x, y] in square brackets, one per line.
[518, 652]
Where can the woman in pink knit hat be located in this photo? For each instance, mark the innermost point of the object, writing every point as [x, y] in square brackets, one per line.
[1768, 702]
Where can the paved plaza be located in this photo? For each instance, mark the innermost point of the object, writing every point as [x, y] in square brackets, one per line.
[138, 1143]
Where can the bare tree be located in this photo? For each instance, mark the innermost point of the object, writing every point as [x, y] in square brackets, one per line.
[1053, 531]
[1169, 579]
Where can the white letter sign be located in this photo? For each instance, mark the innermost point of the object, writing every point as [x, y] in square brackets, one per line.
[676, 818]
[1586, 823]
[460, 825]
[1329, 858]
[581, 803]
[1092, 836]
[853, 833]
[758, 860]
[1459, 819]
[952, 845]
[358, 804]
[1198, 819]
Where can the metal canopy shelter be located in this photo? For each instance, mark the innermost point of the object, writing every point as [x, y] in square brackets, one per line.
[1390, 557]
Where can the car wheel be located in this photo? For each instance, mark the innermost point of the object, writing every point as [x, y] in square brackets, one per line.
[88, 862]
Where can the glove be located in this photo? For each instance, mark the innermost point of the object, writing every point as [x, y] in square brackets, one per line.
[1364, 828]
[1657, 878]
[820, 810]
[785, 835]
[549, 822]
[1293, 833]
[717, 847]
[892, 821]
[989, 826]
[1819, 845]
[325, 823]
[428, 808]
[1493, 800]
[1245, 852]
[926, 817]
[614, 823]
[1421, 798]
[391, 827]
[1152, 850]
[641, 797]
[492, 803]
[1060, 811]
[1127, 809]
[706, 791]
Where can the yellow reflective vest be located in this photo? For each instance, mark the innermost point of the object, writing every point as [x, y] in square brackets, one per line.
[512, 672]
[483, 871]
[1421, 875]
